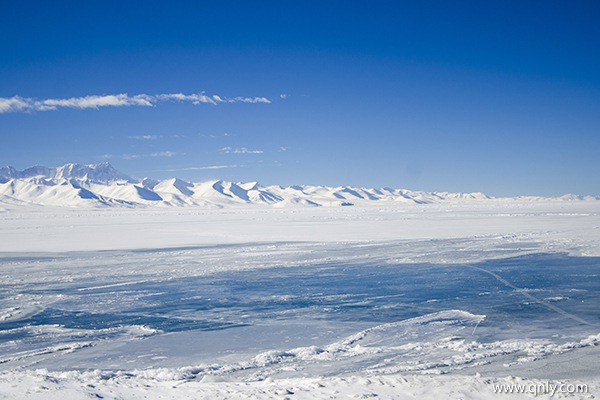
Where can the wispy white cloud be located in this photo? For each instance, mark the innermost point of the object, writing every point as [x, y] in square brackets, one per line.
[24, 104]
[13, 104]
[136, 156]
[145, 137]
[241, 150]
[199, 168]
[131, 156]
[216, 136]
[246, 100]
[163, 154]
[194, 98]
[112, 100]
[28, 104]
[199, 98]
[283, 96]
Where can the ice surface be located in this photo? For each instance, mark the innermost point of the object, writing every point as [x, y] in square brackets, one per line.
[92, 299]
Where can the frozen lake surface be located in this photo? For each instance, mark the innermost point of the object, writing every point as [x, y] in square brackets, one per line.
[421, 316]
[500, 304]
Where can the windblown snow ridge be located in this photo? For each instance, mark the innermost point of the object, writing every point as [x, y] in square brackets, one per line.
[101, 185]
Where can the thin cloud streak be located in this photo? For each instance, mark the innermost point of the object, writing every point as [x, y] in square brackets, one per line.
[163, 154]
[200, 168]
[136, 156]
[27, 104]
[144, 137]
[241, 150]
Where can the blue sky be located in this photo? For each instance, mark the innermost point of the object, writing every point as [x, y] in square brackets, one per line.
[497, 96]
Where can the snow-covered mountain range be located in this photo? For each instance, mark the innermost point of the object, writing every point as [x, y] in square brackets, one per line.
[100, 185]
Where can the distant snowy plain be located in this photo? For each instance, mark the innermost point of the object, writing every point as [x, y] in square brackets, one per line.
[394, 301]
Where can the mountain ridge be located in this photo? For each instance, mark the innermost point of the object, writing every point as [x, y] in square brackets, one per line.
[99, 173]
[101, 185]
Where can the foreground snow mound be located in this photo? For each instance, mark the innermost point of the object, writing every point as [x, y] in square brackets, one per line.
[42, 384]
[101, 185]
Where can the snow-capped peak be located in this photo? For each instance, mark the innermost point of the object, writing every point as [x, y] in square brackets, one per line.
[101, 185]
[94, 173]
[97, 173]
